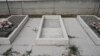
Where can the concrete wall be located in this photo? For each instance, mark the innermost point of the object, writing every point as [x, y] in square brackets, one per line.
[40, 7]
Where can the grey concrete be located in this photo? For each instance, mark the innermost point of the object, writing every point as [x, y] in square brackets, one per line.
[26, 41]
[28, 35]
[9, 39]
[52, 35]
[49, 51]
[82, 40]
[89, 31]
[40, 7]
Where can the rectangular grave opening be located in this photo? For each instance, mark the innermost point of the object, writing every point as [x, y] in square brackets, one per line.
[51, 23]
[52, 31]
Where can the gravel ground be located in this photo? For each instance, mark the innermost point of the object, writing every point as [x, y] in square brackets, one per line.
[90, 19]
[16, 20]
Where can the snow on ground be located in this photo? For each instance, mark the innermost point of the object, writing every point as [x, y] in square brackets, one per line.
[83, 42]
[25, 41]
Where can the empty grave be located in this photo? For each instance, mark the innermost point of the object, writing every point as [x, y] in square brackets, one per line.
[52, 31]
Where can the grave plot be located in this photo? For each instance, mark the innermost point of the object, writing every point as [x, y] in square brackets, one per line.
[90, 24]
[8, 35]
[52, 31]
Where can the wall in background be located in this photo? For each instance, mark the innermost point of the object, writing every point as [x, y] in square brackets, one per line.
[40, 7]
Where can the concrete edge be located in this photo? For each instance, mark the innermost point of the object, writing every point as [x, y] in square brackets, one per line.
[88, 30]
[15, 32]
[53, 41]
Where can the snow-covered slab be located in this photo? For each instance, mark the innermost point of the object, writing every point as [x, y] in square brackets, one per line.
[28, 34]
[19, 22]
[85, 45]
[52, 31]
[89, 31]
[49, 51]
[4, 48]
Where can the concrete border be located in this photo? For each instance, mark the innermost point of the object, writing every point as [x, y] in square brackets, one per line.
[12, 36]
[52, 41]
[88, 30]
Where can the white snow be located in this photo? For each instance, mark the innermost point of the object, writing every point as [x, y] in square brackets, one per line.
[26, 40]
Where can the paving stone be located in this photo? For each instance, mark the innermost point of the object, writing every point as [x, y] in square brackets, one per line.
[49, 50]
[83, 42]
[4, 48]
[22, 48]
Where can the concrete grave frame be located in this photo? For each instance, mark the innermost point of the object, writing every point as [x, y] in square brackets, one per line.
[52, 41]
[14, 33]
[88, 30]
